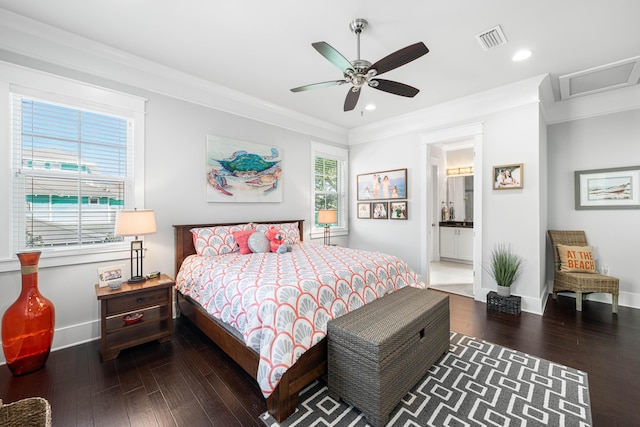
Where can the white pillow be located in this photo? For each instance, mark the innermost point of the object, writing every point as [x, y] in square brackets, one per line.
[258, 242]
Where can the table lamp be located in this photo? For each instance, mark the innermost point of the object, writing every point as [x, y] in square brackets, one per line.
[326, 217]
[135, 223]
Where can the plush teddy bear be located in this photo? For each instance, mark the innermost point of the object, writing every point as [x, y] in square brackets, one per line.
[276, 240]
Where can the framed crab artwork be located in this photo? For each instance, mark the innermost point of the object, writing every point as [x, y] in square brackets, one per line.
[241, 171]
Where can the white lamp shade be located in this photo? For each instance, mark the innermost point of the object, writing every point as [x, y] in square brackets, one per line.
[135, 222]
[327, 216]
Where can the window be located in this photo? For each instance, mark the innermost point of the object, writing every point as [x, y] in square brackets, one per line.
[72, 150]
[329, 185]
[71, 169]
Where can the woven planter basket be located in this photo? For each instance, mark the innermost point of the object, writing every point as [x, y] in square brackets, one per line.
[30, 412]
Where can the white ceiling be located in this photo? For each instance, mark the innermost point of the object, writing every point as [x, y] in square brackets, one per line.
[263, 48]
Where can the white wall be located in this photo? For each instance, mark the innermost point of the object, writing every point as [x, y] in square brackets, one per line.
[175, 181]
[176, 175]
[595, 143]
[397, 237]
[511, 134]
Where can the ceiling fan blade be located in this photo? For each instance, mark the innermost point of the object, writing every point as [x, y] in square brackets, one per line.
[351, 100]
[318, 85]
[395, 87]
[399, 58]
[333, 56]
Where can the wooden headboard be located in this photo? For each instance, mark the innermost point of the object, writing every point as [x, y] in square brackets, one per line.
[184, 238]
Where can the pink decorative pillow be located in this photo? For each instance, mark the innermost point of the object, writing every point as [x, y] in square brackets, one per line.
[214, 241]
[241, 238]
[289, 231]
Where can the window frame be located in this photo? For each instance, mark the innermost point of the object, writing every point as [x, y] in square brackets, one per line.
[342, 156]
[59, 90]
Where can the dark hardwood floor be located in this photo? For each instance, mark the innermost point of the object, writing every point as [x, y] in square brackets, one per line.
[190, 382]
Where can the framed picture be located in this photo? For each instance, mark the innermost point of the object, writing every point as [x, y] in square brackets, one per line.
[398, 210]
[508, 177]
[383, 185]
[614, 188]
[380, 210]
[364, 210]
[112, 274]
[241, 171]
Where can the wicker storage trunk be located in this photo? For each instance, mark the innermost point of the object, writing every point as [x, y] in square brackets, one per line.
[378, 352]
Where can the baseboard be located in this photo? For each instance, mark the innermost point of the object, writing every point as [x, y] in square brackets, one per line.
[625, 299]
[528, 304]
[70, 336]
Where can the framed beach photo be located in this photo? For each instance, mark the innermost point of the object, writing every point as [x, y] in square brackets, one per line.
[380, 210]
[384, 185]
[508, 177]
[614, 188]
[398, 210]
[112, 274]
[364, 210]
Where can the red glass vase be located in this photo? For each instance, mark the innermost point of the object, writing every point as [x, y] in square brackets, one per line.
[27, 325]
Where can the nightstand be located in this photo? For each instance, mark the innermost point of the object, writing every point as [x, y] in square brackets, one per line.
[152, 298]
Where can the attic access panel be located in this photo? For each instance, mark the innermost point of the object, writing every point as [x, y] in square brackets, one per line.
[606, 77]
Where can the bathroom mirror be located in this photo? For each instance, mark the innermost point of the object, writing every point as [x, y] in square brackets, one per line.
[460, 193]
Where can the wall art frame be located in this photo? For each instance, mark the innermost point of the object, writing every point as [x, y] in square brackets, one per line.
[508, 177]
[612, 188]
[364, 210]
[242, 171]
[380, 210]
[399, 209]
[383, 185]
[111, 274]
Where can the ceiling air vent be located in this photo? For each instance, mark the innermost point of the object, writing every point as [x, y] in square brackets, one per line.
[491, 38]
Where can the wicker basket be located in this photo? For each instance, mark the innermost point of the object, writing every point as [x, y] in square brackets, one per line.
[500, 304]
[30, 412]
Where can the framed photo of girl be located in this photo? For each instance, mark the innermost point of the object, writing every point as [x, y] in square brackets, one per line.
[364, 210]
[380, 210]
[508, 177]
[384, 185]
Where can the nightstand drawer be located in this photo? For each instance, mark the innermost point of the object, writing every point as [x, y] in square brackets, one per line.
[137, 301]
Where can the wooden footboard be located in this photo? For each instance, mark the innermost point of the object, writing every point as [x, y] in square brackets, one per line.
[311, 365]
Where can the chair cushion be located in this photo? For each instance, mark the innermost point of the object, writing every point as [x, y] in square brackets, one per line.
[577, 259]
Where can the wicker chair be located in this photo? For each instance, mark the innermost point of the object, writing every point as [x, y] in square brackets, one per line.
[580, 283]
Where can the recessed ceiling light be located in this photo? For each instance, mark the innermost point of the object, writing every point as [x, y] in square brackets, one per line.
[521, 55]
[370, 107]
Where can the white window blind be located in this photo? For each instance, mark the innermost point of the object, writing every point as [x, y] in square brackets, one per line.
[72, 169]
[329, 182]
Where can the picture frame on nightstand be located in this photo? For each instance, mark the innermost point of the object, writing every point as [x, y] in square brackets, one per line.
[110, 275]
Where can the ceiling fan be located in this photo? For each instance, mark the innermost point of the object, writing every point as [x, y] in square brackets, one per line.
[361, 71]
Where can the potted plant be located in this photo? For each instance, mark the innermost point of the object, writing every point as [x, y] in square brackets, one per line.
[505, 267]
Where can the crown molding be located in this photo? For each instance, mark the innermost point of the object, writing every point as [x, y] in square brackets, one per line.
[53, 50]
[597, 104]
[462, 110]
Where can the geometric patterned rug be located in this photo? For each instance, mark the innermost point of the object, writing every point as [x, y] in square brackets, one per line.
[476, 384]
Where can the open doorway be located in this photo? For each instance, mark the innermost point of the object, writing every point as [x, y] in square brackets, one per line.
[453, 243]
[451, 265]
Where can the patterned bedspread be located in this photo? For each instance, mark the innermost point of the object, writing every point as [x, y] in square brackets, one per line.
[281, 303]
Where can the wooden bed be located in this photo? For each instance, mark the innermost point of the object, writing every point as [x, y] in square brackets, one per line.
[311, 365]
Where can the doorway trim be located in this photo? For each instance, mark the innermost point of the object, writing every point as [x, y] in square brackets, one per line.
[471, 131]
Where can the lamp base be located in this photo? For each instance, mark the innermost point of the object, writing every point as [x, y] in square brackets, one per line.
[327, 235]
[137, 279]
